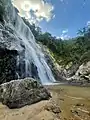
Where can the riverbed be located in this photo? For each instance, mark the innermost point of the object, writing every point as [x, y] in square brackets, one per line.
[67, 103]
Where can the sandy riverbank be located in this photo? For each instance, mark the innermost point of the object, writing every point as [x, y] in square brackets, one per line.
[67, 103]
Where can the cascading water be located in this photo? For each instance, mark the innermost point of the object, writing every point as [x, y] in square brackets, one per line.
[32, 52]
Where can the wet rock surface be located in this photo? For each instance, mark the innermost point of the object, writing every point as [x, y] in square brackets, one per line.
[18, 93]
[8, 63]
[12, 56]
[15, 36]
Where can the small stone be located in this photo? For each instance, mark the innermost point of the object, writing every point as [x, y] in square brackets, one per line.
[61, 99]
[53, 108]
[79, 104]
[89, 113]
[74, 111]
[65, 118]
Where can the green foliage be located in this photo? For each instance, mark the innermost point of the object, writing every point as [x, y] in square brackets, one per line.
[85, 57]
[75, 50]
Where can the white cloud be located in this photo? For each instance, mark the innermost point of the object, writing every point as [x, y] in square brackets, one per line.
[62, 0]
[57, 37]
[34, 10]
[64, 35]
[88, 23]
[65, 31]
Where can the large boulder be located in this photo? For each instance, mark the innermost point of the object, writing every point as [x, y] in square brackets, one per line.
[82, 76]
[18, 93]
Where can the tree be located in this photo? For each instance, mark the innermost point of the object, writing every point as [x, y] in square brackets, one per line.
[65, 51]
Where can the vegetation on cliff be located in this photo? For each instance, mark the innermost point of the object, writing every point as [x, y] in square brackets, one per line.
[75, 50]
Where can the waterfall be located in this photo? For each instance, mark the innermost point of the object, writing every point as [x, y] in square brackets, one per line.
[32, 52]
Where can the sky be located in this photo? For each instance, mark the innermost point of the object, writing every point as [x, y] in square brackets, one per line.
[62, 18]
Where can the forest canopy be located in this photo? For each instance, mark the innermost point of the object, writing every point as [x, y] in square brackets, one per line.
[75, 50]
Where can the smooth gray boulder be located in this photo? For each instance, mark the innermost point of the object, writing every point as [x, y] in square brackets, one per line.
[18, 93]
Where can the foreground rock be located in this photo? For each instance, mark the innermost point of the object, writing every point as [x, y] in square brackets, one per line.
[18, 93]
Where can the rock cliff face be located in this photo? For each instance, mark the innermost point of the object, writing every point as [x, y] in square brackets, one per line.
[57, 70]
[8, 62]
[72, 74]
[18, 93]
[20, 55]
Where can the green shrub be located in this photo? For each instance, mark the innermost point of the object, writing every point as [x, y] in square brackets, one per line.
[85, 57]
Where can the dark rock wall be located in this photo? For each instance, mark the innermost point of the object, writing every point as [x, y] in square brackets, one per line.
[8, 61]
